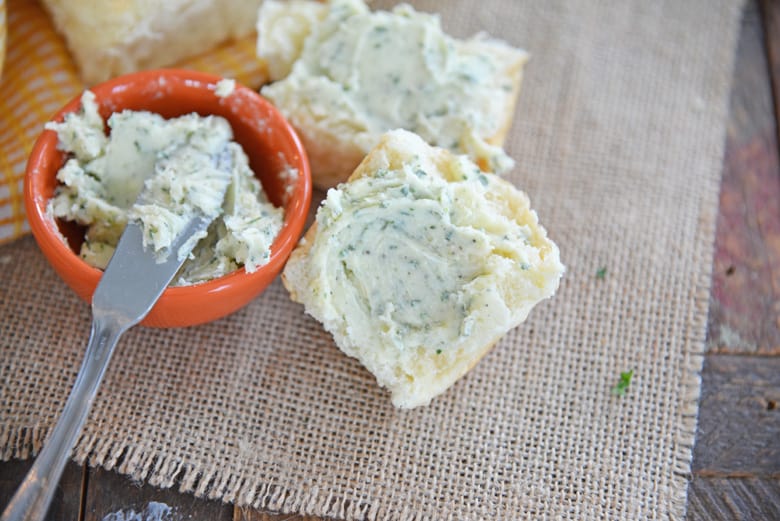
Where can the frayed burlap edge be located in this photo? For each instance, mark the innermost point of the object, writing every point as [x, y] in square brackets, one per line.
[165, 471]
[694, 358]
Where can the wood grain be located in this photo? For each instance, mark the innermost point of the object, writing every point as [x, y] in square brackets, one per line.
[736, 462]
[736, 465]
[117, 498]
[770, 14]
[745, 299]
[712, 499]
[739, 418]
[66, 505]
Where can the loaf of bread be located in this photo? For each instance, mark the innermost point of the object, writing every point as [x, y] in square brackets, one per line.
[420, 263]
[345, 75]
[111, 38]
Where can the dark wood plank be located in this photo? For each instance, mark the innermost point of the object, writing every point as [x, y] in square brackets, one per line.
[716, 499]
[736, 465]
[66, 505]
[113, 497]
[770, 11]
[247, 514]
[739, 418]
[745, 299]
[738, 427]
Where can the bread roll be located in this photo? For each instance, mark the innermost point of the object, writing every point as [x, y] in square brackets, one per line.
[346, 75]
[420, 263]
[117, 37]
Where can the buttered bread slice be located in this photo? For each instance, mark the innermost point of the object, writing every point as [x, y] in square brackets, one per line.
[420, 263]
[108, 38]
[347, 75]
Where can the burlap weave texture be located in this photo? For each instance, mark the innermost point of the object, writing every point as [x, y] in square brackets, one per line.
[619, 140]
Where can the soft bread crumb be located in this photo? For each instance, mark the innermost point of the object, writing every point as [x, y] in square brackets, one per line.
[420, 263]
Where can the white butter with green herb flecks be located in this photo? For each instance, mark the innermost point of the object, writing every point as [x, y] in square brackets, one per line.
[415, 259]
[361, 73]
[407, 234]
[176, 159]
[225, 87]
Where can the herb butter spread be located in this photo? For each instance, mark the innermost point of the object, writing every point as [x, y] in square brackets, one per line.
[225, 88]
[347, 75]
[420, 263]
[186, 162]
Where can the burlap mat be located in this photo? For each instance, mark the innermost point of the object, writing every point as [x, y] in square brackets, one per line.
[619, 139]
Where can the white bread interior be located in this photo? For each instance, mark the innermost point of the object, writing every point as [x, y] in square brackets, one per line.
[109, 38]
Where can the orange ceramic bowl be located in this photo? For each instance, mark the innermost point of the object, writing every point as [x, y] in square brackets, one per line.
[268, 140]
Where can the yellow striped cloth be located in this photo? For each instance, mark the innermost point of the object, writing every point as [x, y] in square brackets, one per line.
[39, 77]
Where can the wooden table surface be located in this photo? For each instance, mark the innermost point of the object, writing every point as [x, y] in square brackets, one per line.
[736, 465]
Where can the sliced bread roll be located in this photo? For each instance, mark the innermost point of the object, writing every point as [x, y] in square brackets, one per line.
[420, 263]
[117, 37]
[346, 75]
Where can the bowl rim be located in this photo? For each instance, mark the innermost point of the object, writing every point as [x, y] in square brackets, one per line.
[45, 229]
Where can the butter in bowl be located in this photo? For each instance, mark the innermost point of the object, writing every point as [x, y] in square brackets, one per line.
[172, 102]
